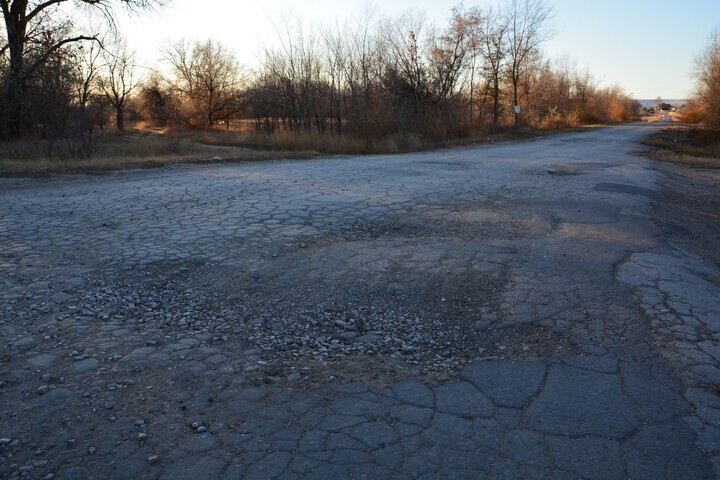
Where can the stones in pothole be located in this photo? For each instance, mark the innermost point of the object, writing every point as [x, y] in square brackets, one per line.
[369, 339]
[217, 359]
[60, 297]
[194, 366]
[348, 335]
[487, 321]
[24, 343]
[138, 354]
[197, 425]
[86, 365]
[43, 360]
[54, 397]
[320, 333]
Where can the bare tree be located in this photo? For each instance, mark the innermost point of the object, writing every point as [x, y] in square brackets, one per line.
[297, 69]
[527, 30]
[583, 85]
[451, 50]
[334, 53]
[452, 58]
[708, 82]
[50, 97]
[4, 70]
[493, 35]
[88, 100]
[208, 79]
[119, 78]
[88, 69]
[405, 73]
[157, 102]
[405, 39]
[25, 20]
[357, 51]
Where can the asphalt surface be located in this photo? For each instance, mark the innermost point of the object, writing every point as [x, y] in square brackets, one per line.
[506, 311]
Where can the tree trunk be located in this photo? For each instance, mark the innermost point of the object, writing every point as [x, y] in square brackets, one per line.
[120, 116]
[516, 107]
[16, 26]
[472, 94]
[14, 120]
[496, 100]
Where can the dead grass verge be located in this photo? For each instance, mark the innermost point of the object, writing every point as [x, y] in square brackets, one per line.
[154, 148]
[122, 151]
[686, 145]
[354, 145]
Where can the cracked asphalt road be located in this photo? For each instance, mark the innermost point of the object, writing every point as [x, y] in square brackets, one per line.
[506, 311]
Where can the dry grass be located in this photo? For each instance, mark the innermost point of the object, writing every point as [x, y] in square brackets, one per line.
[686, 145]
[306, 142]
[156, 147]
[510, 135]
[130, 149]
[355, 145]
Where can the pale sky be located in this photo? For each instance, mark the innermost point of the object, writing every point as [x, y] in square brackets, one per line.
[648, 47]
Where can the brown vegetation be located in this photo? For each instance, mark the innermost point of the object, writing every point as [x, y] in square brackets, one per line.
[704, 108]
[708, 84]
[158, 147]
[366, 85]
[692, 146]
[128, 149]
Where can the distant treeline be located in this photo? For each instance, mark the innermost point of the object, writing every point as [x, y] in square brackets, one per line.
[367, 76]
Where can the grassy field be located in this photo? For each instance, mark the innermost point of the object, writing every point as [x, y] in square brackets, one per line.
[129, 149]
[686, 145]
[151, 148]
